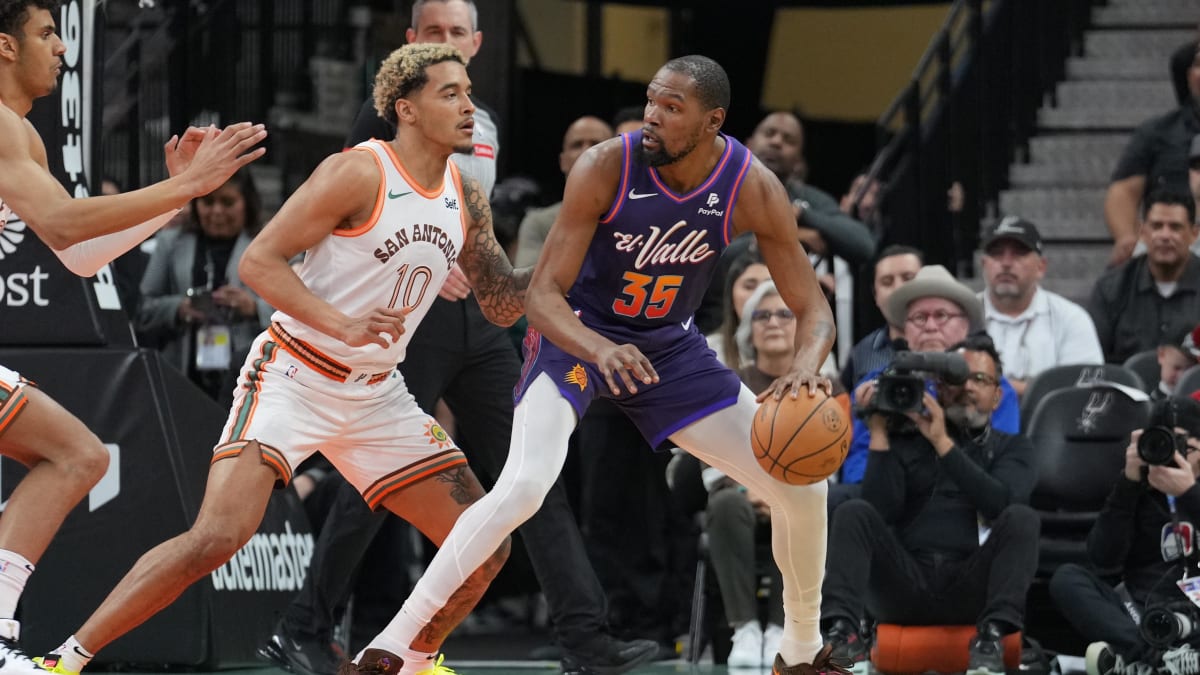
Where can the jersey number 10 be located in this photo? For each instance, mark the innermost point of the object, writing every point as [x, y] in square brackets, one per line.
[418, 284]
[653, 304]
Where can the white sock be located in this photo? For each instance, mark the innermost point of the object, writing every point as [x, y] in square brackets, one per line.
[14, 572]
[72, 655]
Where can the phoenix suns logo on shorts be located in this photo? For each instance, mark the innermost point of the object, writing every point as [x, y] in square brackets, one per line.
[577, 376]
[437, 435]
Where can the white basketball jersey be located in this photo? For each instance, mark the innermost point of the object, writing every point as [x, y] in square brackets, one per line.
[399, 258]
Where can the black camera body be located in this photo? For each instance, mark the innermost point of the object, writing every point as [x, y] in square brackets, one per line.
[1169, 624]
[901, 387]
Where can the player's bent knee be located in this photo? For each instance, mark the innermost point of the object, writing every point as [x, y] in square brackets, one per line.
[524, 499]
[91, 462]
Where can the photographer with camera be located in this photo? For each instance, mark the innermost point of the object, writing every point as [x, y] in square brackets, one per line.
[936, 311]
[1145, 537]
[942, 533]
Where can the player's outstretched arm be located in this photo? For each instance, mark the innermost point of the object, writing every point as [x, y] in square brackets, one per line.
[763, 208]
[341, 193]
[499, 288]
[27, 186]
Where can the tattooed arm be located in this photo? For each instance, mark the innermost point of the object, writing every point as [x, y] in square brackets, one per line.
[499, 288]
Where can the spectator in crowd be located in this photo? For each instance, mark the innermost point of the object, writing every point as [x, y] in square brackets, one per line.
[1181, 61]
[943, 533]
[582, 134]
[746, 272]
[895, 266]
[1143, 536]
[192, 299]
[1174, 358]
[1156, 157]
[1034, 329]
[628, 119]
[778, 142]
[826, 232]
[1146, 300]
[937, 312]
[734, 517]
[862, 201]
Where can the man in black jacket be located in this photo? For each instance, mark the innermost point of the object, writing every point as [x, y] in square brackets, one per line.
[1137, 538]
[942, 534]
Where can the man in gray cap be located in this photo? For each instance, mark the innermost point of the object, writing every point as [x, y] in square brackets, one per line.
[1033, 328]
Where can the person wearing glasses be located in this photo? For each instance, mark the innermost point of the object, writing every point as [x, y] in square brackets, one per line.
[1034, 329]
[943, 533]
[936, 312]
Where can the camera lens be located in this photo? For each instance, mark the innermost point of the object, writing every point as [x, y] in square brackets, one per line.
[1157, 446]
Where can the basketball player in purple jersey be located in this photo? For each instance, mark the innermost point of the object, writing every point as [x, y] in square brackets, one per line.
[644, 218]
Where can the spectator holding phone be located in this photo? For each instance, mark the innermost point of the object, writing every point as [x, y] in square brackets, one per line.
[194, 306]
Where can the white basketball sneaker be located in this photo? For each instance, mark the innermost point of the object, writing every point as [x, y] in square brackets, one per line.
[13, 661]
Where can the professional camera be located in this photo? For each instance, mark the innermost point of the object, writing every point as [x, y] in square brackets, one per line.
[901, 387]
[1158, 445]
[1167, 625]
[1159, 441]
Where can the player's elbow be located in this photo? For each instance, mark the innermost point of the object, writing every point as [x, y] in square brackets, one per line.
[251, 268]
[58, 233]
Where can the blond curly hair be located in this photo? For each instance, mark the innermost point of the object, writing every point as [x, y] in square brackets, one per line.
[403, 72]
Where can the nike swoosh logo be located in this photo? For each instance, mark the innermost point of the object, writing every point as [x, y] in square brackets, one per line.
[394, 195]
[634, 195]
[687, 324]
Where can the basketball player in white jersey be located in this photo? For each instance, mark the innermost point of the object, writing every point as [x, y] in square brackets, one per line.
[65, 459]
[382, 224]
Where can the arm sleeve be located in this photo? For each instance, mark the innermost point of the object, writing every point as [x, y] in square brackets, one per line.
[88, 257]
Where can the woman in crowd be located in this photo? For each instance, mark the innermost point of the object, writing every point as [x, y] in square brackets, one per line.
[193, 304]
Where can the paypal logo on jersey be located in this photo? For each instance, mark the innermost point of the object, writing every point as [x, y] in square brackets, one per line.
[713, 200]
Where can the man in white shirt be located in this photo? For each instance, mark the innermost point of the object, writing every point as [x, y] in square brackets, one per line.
[1033, 328]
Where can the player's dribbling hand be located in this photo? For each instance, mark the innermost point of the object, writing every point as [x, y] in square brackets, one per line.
[792, 383]
[220, 153]
[623, 361]
[375, 327]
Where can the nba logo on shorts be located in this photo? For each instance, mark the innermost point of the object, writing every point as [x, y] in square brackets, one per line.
[291, 372]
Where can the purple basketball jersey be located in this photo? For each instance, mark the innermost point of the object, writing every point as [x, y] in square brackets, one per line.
[655, 251]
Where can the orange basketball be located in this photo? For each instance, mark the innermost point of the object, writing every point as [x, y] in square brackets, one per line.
[800, 441]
